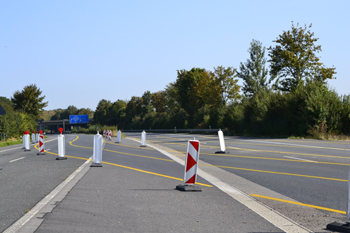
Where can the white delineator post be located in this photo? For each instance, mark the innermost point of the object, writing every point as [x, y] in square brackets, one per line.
[33, 138]
[222, 143]
[37, 137]
[143, 139]
[190, 174]
[41, 144]
[27, 144]
[97, 151]
[24, 140]
[61, 146]
[119, 135]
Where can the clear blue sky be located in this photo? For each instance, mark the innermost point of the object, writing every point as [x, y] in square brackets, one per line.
[79, 52]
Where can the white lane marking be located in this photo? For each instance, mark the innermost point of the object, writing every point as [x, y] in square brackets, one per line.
[25, 218]
[289, 144]
[300, 159]
[11, 149]
[274, 217]
[48, 149]
[16, 159]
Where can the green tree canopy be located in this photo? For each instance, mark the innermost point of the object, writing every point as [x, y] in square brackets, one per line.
[228, 87]
[253, 72]
[29, 100]
[294, 61]
[102, 111]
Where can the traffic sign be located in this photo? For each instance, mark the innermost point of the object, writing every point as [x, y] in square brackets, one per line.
[2, 110]
[76, 119]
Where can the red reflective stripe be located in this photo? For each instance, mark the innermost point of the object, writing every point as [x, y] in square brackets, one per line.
[190, 162]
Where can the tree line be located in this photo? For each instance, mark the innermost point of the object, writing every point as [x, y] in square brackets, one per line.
[283, 94]
[22, 111]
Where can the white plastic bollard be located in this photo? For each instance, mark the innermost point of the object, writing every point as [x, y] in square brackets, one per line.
[24, 140]
[143, 139]
[119, 136]
[190, 173]
[27, 144]
[33, 138]
[222, 142]
[37, 137]
[97, 151]
[61, 146]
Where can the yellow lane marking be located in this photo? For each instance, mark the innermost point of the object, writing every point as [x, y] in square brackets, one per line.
[71, 143]
[142, 148]
[269, 151]
[153, 173]
[279, 173]
[131, 168]
[289, 160]
[301, 146]
[299, 203]
[302, 141]
[121, 152]
[144, 156]
[293, 153]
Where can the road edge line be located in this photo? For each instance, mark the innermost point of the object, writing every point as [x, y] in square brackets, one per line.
[27, 224]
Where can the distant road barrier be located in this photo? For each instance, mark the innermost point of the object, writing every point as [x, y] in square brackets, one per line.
[179, 130]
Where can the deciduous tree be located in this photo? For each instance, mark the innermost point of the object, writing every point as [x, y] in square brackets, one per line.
[29, 100]
[228, 87]
[253, 72]
[294, 61]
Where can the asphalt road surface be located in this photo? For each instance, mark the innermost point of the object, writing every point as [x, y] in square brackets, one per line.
[305, 180]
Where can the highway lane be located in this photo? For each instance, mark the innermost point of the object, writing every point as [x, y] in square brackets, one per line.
[128, 158]
[262, 162]
[279, 165]
[134, 191]
[26, 177]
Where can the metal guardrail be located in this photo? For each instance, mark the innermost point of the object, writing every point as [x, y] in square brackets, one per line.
[178, 130]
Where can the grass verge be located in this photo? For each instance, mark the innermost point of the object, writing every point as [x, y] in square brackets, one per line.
[10, 142]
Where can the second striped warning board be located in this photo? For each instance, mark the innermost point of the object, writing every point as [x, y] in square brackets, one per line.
[190, 174]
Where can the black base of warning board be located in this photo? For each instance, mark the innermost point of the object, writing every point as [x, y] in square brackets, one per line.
[188, 188]
[96, 165]
[339, 226]
[61, 158]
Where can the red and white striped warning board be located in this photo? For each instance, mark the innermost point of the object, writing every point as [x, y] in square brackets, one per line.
[109, 135]
[41, 144]
[192, 156]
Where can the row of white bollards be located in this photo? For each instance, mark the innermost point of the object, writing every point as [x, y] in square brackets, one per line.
[191, 162]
